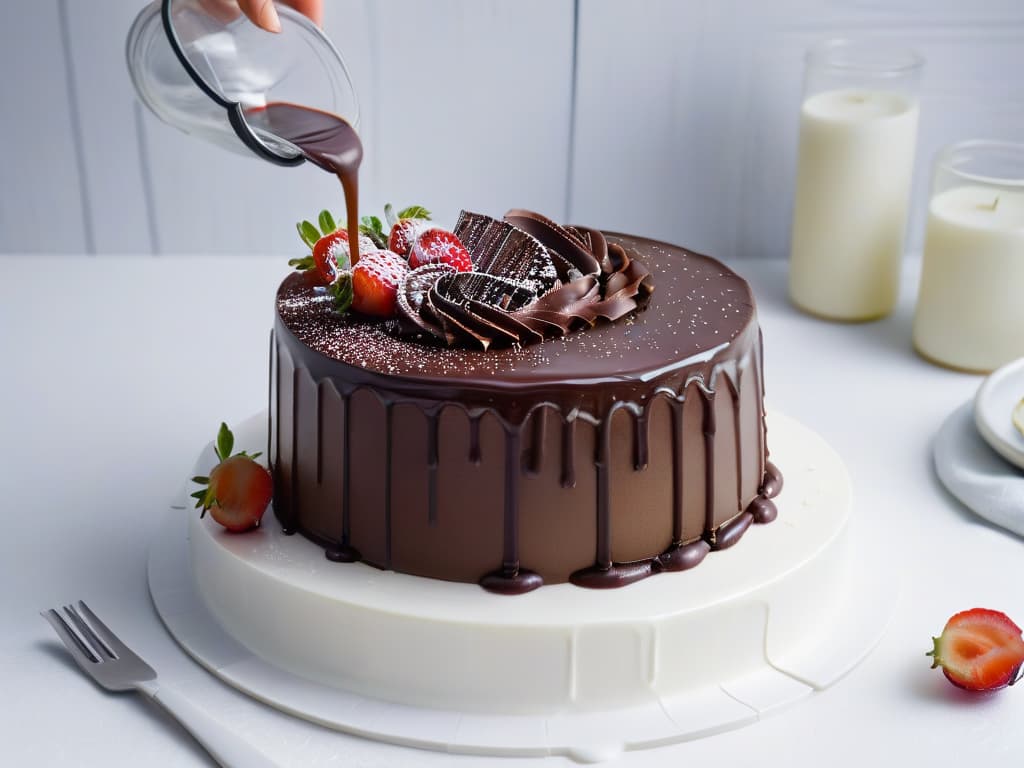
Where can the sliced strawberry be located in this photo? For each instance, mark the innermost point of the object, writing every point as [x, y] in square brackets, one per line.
[238, 489]
[375, 281]
[439, 246]
[979, 650]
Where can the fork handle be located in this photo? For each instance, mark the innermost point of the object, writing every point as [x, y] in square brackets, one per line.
[224, 745]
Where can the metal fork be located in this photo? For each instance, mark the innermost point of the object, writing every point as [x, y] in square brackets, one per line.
[114, 666]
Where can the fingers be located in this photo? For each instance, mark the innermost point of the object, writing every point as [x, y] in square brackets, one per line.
[314, 9]
[262, 13]
[224, 11]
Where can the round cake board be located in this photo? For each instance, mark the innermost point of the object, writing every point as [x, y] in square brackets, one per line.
[814, 524]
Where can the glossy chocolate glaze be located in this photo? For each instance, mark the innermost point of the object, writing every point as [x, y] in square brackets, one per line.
[598, 458]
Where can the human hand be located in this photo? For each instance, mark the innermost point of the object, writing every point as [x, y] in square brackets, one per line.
[263, 14]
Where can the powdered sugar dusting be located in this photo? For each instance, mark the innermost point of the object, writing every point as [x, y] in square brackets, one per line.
[697, 304]
[386, 266]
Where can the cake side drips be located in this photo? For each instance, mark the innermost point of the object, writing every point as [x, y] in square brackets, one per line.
[553, 422]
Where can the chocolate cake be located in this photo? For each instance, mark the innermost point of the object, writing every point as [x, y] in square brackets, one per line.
[596, 455]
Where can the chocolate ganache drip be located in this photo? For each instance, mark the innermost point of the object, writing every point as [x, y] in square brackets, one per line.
[532, 279]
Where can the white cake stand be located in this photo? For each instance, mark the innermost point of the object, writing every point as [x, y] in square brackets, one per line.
[781, 615]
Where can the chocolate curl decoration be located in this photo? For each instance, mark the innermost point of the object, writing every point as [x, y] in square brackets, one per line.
[569, 244]
[501, 249]
[413, 317]
[533, 279]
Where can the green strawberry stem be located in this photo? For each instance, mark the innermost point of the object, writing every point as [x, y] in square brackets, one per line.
[341, 292]
[934, 653]
[414, 212]
[303, 264]
[225, 442]
[327, 224]
[308, 232]
[372, 227]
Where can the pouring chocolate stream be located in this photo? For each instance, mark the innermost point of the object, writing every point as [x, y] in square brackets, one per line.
[326, 140]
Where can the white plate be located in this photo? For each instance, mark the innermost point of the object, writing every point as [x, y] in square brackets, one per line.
[976, 475]
[997, 396]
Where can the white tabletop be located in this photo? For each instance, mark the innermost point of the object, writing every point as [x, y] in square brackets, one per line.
[116, 370]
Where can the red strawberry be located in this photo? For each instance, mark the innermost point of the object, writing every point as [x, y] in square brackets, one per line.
[405, 227]
[326, 252]
[238, 489]
[439, 246]
[404, 234]
[243, 490]
[979, 650]
[375, 281]
[332, 249]
[329, 247]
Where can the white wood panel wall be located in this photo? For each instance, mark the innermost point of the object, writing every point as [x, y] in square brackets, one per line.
[672, 118]
[40, 194]
[445, 120]
[687, 113]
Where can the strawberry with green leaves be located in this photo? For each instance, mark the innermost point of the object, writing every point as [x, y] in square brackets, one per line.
[370, 287]
[413, 235]
[979, 650]
[403, 228]
[237, 490]
[329, 246]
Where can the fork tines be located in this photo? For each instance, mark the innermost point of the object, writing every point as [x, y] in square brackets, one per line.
[88, 635]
